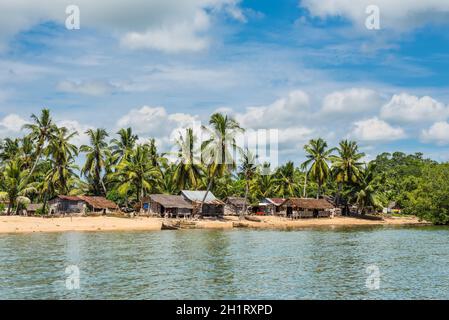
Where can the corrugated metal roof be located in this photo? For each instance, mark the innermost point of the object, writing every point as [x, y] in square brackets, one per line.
[276, 201]
[198, 195]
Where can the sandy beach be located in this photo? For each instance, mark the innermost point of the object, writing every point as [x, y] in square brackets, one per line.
[20, 224]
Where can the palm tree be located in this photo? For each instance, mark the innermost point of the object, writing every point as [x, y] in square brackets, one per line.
[137, 174]
[248, 169]
[287, 184]
[366, 194]
[61, 154]
[124, 145]
[9, 149]
[346, 166]
[95, 159]
[26, 151]
[42, 130]
[188, 170]
[318, 156]
[15, 182]
[264, 184]
[217, 151]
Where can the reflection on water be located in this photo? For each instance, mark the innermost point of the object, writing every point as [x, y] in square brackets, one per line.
[243, 264]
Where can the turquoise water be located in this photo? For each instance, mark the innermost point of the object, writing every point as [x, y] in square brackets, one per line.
[243, 264]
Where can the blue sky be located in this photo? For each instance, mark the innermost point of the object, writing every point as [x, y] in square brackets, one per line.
[307, 68]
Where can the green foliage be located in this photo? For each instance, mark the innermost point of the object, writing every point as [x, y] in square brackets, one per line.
[429, 199]
[42, 211]
[41, 164]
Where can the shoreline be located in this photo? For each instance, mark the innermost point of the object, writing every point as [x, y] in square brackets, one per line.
[21, 224]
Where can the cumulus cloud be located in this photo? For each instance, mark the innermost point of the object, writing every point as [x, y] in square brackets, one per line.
[282, 113]
[183, 36]
[394, 14]
[375, 129]
[139, 23]
[11, 125]
[73, 125]
[408, 108]
[93, 88]
[438, 133]
[352, 100]
[156, 122]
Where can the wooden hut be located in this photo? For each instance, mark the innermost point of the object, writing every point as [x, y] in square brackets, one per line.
[308, 208]
[212, 206]
[32, 208]
[272, 206]
[235, 205]
[167, 205]
[63, 204]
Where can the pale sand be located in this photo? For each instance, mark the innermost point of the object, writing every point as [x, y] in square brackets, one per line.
[19, 224]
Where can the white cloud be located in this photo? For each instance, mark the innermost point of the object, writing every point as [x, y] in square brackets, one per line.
[394, 14]
[184, 36]
[93, 88]
[155, 122]
[139, 23]
[352, 100]
[438, 133]
[408, 108]
[282, 113]
[73, 125]
[375, 129]
[162, 77]
[11, 125]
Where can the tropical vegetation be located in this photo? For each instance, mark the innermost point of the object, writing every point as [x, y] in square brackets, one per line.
[46, 162]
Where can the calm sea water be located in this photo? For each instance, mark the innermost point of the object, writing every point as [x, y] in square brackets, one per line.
[244, 264]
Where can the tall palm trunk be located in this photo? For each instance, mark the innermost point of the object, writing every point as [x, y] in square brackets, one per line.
[10, 204]
[338, 197]
[36, 161]
[304, 194]
[209, 186]
[246, 199]
[44, 204]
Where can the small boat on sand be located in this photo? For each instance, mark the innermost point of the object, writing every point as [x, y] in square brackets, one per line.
[178, 224]
[240, 225]
[253, 219]
[169, 226]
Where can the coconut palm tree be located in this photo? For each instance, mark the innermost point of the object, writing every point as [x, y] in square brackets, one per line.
[218, 149]
[188, 170]
[15, 182]
[61, 154]
[247, 170]
[9, 149]
[124, 145]
[264, 185]
[95, 159]
[367, 194]
[346, 165]
[318, 156]
[287, 184]
[137, 174]
[42, 130]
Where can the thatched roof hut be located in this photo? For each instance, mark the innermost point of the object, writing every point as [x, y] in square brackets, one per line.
[236, 204]
[78, 204]
[309, 203]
